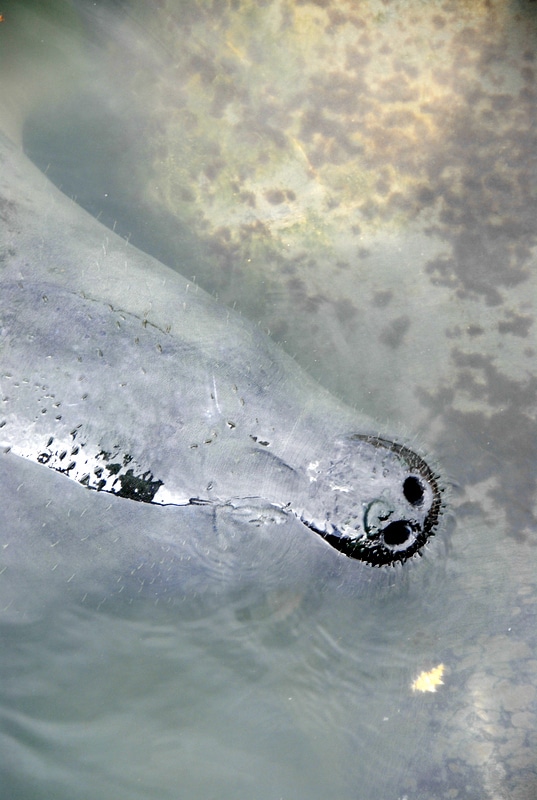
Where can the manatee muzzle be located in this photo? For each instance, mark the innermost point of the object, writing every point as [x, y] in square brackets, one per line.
[387, 514]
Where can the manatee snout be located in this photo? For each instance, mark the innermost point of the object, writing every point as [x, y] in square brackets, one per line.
[381, 500]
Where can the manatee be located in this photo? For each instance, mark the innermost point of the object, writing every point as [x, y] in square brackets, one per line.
[228, 525]
[191, 407]
[139, 638]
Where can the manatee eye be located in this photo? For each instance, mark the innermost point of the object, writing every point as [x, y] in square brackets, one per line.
[396, 533]
[413, 490]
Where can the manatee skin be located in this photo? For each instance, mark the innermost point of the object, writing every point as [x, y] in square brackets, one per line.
[164, 397]
[59, 541]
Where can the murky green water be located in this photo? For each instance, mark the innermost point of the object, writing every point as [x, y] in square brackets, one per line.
[390, 245]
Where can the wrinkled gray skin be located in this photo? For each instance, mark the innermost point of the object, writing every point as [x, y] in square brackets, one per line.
[445, 311]
[188, 406]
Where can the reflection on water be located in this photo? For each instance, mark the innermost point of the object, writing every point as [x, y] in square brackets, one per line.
[362, 182]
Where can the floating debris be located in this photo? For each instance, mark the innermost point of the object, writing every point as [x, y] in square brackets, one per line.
[428, 681]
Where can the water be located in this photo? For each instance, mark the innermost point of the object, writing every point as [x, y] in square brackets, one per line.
[192, 669]
[290, 678]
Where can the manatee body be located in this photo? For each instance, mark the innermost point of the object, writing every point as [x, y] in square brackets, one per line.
[126, 378]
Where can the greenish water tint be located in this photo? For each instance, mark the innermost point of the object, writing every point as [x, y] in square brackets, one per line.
[288, 677]
[291, 678]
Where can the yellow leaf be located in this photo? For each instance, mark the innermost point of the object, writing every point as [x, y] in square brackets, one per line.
[428, 681]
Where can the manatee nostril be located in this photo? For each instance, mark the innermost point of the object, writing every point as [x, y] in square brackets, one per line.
[413, 490]
[397, 533]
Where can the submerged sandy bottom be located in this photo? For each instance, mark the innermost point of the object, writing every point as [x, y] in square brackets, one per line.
[390, 245]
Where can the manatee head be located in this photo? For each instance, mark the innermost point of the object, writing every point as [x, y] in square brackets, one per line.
[372, 499]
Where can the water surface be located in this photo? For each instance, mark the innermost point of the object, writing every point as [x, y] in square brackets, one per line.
[390, 246]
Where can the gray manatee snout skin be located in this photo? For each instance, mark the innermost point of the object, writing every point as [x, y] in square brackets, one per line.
[127, 379]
